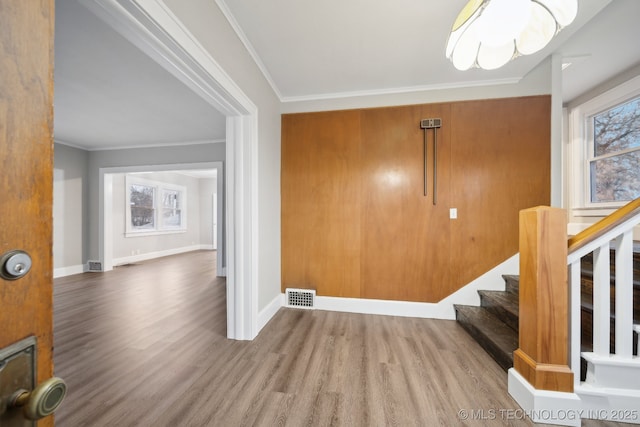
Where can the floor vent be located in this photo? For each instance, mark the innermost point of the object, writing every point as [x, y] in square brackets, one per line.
[300, 298]
[95, 266]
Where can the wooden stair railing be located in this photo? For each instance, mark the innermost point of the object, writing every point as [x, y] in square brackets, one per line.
[606, 224]
[542, 357]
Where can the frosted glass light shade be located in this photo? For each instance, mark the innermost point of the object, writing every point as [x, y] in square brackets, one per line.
[489, 33]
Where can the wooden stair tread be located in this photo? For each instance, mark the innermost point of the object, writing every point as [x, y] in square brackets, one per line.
[498, 339]
[504, 305]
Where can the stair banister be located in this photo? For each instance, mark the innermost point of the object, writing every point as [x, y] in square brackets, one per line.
[608, 225]
[612, 232]
[546, 301]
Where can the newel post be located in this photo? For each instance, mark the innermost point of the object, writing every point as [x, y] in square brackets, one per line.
[542, 357]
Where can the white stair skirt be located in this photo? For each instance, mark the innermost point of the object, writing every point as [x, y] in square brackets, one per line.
[612, 371]
[600, 403]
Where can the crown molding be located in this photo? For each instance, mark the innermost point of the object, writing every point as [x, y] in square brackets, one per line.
[401, 90]
[247, 44]
[141, 146]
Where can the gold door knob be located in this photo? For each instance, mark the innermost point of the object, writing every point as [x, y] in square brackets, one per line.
[43, 400]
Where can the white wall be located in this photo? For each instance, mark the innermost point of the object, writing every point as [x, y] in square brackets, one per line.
[207, 191]
[70, 225]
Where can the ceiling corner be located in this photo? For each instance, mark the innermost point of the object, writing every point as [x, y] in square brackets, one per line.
[247, 44]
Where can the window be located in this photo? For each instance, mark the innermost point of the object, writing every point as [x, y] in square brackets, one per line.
[614, 163]
[604, 151]
[171, 212]
[154, 207]
[142, 201]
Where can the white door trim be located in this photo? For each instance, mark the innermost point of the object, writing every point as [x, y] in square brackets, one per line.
[150, 25]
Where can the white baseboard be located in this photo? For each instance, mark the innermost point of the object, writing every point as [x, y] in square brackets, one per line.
[621, 405]
[158, 254]
[543, 406]
[69, 271]
[269, 311]
[468, 295]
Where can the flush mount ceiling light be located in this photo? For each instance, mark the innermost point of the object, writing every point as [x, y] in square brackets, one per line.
[489, 33]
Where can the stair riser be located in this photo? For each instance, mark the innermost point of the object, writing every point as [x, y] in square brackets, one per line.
[512, 283]
[500, 312]
[504, 359]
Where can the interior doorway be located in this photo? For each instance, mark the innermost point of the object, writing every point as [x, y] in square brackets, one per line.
[152, 27]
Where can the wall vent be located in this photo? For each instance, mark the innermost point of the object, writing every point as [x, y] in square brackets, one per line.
[95, 265]
[300, 298]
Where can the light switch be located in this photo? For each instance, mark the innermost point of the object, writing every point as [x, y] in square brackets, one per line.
[453, 213]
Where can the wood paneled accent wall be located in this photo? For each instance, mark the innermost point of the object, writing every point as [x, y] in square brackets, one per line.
[355, 221]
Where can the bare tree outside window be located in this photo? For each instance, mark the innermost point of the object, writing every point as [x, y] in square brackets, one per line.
[142, 207]
[154, 207]
[615, 160]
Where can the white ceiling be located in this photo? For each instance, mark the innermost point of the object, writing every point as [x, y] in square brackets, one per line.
[108, 94]
[333, 48]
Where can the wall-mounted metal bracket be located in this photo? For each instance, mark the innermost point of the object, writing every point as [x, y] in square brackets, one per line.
[431, 124]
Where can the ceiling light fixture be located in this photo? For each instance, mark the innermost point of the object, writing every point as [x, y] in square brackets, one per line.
[489, 33]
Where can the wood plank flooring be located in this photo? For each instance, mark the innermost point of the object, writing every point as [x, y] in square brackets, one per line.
[144, 345]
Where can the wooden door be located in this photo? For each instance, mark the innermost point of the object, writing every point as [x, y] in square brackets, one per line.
[26, 161]
[405, 235]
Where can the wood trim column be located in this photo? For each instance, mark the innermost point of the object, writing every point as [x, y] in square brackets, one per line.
[543, 354]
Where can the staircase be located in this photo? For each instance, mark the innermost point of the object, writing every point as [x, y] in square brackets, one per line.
[494, 324]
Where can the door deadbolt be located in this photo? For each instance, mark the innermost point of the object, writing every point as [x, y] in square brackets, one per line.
[14, 265]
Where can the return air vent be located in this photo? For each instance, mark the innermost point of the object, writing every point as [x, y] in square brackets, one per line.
[300, 298]
[95, 266]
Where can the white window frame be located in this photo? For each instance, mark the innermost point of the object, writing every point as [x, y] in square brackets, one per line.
[581, 141]
[159, 189]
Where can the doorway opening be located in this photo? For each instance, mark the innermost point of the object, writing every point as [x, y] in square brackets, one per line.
[151, 26]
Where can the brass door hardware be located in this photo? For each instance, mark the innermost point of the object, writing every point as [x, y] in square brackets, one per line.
[21, 402]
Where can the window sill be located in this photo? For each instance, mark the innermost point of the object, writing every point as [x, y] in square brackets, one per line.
[594, 211]
[153, 233]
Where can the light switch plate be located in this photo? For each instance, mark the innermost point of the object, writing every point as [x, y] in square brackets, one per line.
[453, 213]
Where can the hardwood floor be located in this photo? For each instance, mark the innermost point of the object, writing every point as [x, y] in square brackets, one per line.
[144, 345]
